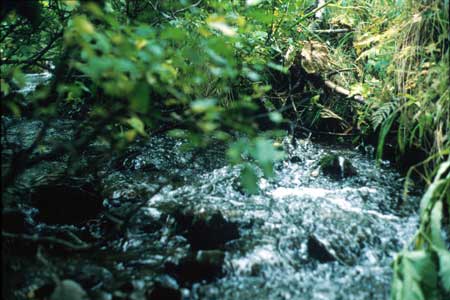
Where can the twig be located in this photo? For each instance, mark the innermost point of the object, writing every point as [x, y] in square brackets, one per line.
[311, 13]
[33, 59]
[188, 7]
[332, 31]
[328, 133]
[48, 239]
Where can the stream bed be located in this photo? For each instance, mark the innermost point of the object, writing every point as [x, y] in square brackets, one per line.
[194, 233]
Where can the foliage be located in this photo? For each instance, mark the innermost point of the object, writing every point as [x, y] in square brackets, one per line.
[198, 70]
[424, 272]
[408, 55]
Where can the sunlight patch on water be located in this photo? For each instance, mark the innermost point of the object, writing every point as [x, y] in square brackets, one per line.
[261, 255]
[329, 195]
[283, 192]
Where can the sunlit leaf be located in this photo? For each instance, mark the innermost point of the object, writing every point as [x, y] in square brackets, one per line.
[137, 125]
[435, 225]
[219, 23]
[83, 25]
[444, 268]
[253, 2]
[202, 105]
[275, 117]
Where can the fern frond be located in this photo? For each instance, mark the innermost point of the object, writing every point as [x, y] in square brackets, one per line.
[383, 113]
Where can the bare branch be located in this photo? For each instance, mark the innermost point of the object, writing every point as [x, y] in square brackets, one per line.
[47, 239]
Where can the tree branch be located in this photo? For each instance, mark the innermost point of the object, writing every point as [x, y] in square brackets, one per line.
[47, 239]
[33, 59]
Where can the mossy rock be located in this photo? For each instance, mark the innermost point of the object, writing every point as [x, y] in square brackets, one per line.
[336, 166]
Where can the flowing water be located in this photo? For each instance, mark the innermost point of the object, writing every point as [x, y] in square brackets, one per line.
[304, 236]
[33, 80]
[361, 222]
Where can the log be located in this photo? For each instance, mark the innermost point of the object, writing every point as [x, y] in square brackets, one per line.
[343, 91]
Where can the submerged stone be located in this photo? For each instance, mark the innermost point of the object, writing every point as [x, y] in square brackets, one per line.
[336, 166]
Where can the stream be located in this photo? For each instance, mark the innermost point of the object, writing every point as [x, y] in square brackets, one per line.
[194, 233]
[306, 235]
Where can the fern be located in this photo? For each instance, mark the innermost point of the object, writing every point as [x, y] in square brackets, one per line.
[383, 113]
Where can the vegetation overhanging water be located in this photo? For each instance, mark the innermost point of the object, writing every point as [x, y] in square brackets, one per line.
[225, 150]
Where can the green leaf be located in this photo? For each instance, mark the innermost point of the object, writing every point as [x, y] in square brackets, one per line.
[235, 151]
[249, 180]
[277, 67]
[252, 2]
[4, 87]
[435, 225]
[383, 134]
[19, 78]
[140, 98]
[137, 125]
[275, 117]
[174, 34]
[412, 290]
[423, 265]
[444, 268]
[261, 15]
[203, 105]
[265, 155]
[177, 133]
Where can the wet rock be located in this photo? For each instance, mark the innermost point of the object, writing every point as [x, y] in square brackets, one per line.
[68, 290]
[336, 166]
[165, 288]
[318, 250]
[206, 231]
[65, 204]
[203, 266]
